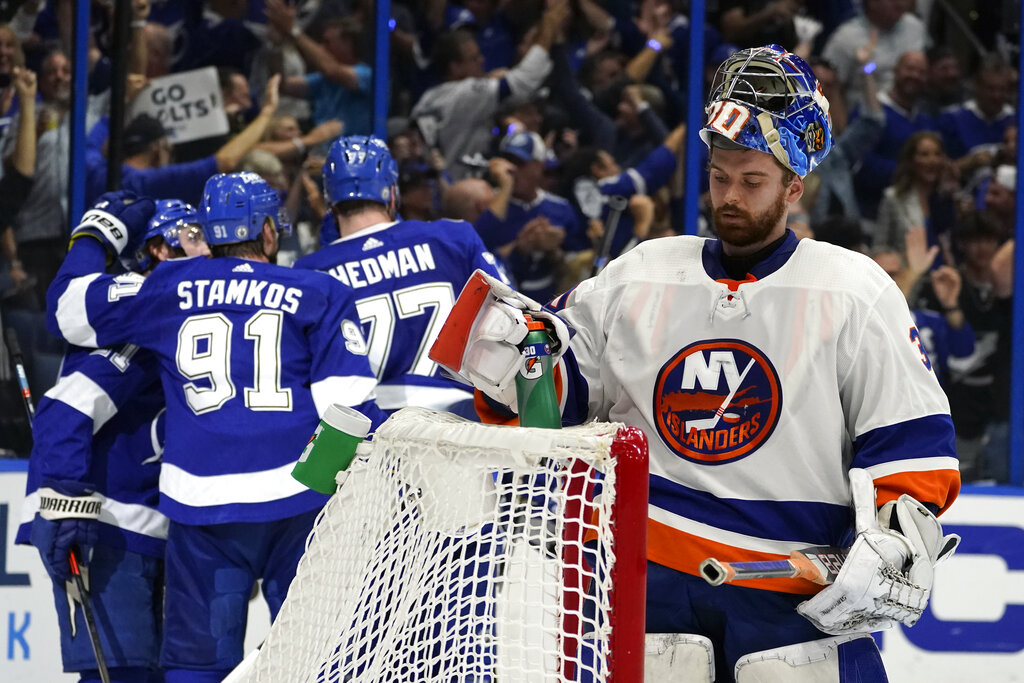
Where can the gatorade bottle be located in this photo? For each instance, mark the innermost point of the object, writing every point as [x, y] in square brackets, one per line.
[535, 383]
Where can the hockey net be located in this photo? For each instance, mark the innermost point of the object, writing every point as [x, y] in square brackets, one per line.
[455, 551]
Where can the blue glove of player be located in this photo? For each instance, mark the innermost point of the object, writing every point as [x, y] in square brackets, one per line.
[118, 220]
[68, 511]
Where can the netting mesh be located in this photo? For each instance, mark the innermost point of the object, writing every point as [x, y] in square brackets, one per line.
[456, 552]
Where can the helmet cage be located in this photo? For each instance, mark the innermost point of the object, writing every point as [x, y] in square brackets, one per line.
[768, 99]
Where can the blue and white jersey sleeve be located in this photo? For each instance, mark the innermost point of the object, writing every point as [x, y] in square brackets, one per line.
[645, 178]
[902, 431]
[100, 425]
[340, 372]
[88, 308]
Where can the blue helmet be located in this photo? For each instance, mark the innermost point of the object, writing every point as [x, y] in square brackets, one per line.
[170, 215]
[359, 167]
[235, 206]
[769, 100]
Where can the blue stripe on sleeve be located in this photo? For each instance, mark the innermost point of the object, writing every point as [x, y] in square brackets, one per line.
[924, 437]
[577, 396]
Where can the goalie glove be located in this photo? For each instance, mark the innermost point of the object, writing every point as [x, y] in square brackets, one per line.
[479, 343]
[888, 573]
[118, 220]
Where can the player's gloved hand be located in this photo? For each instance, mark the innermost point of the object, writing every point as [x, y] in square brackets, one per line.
[118, 220]
[479, 343]
[68, 511]
[887, 577]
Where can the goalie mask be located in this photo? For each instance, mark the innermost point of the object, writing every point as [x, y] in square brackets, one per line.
[235, 207]
[768, 99]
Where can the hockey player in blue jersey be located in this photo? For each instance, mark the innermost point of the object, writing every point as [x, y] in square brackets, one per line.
[406, 274]
[98, 437]
[250, 355]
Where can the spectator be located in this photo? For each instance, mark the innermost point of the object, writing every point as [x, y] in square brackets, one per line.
[944, 334]
[945, 81]
[835, 194]
[341, 86]
[40, 228]
[285, 140]
[159, 49]
[11, 56]
[461, 108]
[903, 118]
[972, 379]
[419, 192]
[594, 176]
[919, 195]
[147, 168]
[973, 130]
[996, 455]
[763, 22]
[15, 187]
[1001, 200]
[524, 225]
[896, 30]
[467, 200]
[494, 34]
[216, 33]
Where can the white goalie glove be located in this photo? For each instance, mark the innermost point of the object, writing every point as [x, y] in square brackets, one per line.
[479, 343]
[887, 576]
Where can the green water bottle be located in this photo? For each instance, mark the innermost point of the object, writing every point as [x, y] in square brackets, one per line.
[535, 383]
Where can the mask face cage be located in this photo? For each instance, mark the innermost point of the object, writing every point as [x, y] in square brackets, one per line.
[769, 80]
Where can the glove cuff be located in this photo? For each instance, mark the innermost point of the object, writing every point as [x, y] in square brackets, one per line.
[107, 226]
[55, 505]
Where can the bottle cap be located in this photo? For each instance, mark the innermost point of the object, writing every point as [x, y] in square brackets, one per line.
[534, 324]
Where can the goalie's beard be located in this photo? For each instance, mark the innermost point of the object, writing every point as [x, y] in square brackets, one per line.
[743, 229]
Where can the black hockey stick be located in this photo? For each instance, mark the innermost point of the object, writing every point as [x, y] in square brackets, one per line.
[617, 204]
[14, 348]
[90, 621]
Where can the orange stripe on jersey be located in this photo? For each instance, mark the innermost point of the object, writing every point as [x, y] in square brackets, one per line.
[492, 417]
[939, 487]
[684, 552]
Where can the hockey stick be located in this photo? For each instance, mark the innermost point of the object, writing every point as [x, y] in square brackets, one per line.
[14, 348]
[617, 204]
[90, 621]
[820, 564]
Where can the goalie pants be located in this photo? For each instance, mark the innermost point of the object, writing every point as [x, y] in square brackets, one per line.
[741, 620]
[211, 571]
[125, 589]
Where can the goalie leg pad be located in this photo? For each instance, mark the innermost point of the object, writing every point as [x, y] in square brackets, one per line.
[678, 657]
[843, 659]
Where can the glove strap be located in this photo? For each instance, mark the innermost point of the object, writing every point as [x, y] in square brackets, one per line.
[108, 225]
[54, 505]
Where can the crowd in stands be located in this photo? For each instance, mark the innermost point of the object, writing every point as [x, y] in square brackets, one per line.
[531, 119]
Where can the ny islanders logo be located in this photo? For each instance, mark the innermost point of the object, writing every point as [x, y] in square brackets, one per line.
[716, 401]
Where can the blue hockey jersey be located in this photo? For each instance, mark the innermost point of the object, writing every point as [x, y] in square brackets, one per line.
[406, 276]
[101, 424]
[250, 355]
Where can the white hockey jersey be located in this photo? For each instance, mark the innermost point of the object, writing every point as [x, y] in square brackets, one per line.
[758, 396]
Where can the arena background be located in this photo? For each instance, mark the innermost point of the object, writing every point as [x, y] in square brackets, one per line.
[974, 626]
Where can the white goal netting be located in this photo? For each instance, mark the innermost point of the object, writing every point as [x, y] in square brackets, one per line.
[455, 551]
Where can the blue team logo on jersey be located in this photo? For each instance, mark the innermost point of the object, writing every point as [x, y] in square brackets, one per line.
[717, 401]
